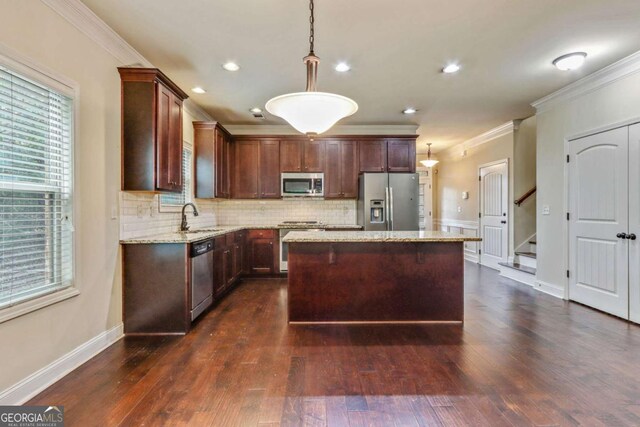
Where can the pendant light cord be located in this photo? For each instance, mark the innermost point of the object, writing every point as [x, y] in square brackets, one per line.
[311, 29]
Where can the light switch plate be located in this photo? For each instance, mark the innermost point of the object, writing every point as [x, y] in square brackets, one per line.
[546, 210]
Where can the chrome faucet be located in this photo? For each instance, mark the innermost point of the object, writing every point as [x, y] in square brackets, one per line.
[183, 225]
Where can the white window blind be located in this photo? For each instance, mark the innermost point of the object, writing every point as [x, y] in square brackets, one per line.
[36, 242]
[179, 199]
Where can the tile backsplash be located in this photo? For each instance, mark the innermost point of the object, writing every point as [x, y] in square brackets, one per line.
[140, 216]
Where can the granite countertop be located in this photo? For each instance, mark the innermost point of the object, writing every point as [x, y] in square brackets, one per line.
[377, 236]
[208, 232]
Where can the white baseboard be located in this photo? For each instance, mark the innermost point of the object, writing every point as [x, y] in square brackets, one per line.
[518, 276]
[471, 256]
[27, 388]
[549, 289]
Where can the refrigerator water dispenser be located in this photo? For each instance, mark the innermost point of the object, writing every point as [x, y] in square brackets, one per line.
[377, 211]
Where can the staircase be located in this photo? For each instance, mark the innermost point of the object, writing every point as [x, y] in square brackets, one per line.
[523, 267]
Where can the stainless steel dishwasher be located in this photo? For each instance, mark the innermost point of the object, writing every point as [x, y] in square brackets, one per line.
[201, 276]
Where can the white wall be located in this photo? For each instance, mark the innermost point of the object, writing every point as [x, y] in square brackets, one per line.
[36, 339]
[524, 178]
[613, 103]
[456, 174]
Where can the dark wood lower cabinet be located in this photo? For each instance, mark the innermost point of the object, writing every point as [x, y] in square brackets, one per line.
[262, 261]
[219, 281]
[262, 252]
[157, 278]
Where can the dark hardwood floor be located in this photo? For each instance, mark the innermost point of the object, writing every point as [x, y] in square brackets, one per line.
[521, 358]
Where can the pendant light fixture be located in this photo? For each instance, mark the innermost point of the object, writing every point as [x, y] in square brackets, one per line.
[311, 112]
[429, 163]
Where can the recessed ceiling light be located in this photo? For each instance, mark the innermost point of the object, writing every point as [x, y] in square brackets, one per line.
[409, 110]
[570, 61]
[256, 110]
[342, 67]
[198, 89]
[451, 68]
[230, 66]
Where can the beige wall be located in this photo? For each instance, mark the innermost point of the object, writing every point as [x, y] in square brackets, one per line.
[613, 103]
[524, 178]
[457, 174]
[36, 339]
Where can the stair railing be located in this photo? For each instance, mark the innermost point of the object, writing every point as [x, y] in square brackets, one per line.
[525, 196]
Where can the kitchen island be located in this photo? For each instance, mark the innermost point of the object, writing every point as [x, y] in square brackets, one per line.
[376, 277]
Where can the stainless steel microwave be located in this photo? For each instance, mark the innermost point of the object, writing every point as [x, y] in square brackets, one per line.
[302, 185]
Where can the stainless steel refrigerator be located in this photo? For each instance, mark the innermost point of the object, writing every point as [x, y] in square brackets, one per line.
[388, 201]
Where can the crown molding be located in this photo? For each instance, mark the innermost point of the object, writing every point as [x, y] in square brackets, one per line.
[90, 24]
[336, 130]
[490, 135]
[196, 111]
[604, 77]
[83, 18]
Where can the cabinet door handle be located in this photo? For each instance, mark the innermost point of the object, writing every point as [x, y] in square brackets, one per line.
[631, 236]
[621, 235]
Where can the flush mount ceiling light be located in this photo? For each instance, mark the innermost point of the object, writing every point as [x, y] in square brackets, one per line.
[198, 89]
[451, 68]
[342, 67]
[256, 110]
[429, 163]
[409, 110]
[570, 61]
[230, 66]
[311, 112]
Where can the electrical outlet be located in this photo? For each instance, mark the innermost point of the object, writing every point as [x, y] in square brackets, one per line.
[546, 210]
[152, 210]
[114, 212]
[459, 209]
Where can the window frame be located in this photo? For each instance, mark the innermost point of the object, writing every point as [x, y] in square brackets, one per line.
[45, 76]
[170, 208]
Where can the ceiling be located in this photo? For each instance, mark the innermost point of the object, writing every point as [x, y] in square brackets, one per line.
[396, 50]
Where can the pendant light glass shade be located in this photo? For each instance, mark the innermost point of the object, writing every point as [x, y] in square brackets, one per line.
[312, 112]
[429, 163]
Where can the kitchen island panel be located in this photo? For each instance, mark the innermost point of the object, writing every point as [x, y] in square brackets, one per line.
[376, 282]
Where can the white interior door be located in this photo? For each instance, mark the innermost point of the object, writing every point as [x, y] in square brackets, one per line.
[599, 211]
[426, 200]
[634, 223]
[494, 210]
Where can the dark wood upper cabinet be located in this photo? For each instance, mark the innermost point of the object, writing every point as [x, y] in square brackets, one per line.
[373, 155]
[349, 170]
[401, 155]
[246, 169]
[290, 156]
[151, 131]
[269, 169]
[256, 169]
[212, 145]
[313, 158]
[341, 169]
[302, 155]
[332, 179]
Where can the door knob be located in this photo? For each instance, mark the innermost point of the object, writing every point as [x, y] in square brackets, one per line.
[503, 222]
[621, 236]
[631, 236]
